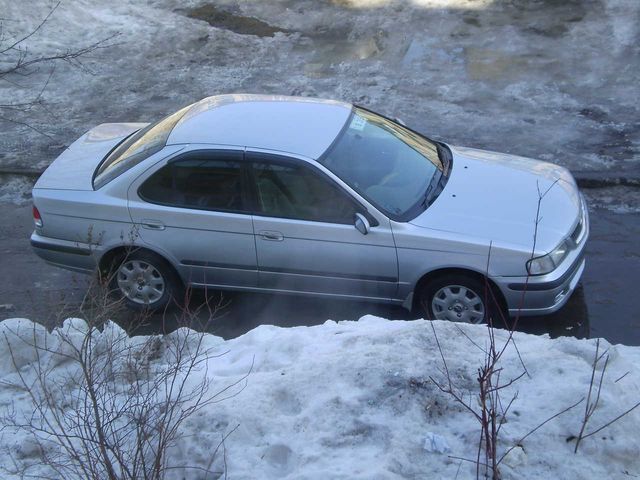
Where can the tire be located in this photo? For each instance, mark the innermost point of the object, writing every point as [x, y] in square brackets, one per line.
[458, 298]
[145, 281]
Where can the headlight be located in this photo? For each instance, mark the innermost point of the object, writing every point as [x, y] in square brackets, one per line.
[548, 263]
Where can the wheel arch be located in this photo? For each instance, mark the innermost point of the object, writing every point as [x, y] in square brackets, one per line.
[440, 272]
[107, 259]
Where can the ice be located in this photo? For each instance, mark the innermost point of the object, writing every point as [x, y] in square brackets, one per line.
[481, 73]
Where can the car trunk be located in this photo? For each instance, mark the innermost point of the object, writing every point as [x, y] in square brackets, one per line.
[74, 168]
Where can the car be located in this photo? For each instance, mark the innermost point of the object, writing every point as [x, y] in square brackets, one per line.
[264, 193]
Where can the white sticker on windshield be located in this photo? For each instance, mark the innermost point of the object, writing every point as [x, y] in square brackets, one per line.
[358, 123]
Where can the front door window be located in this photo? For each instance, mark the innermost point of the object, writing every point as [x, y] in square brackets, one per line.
[295, 192]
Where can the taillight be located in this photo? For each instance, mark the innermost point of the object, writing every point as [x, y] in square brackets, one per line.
[37, 219]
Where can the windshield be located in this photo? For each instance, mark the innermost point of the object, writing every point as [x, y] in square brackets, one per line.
[393, 167]
[134, 149]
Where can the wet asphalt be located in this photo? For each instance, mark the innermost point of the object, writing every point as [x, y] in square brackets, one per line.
[604, 305]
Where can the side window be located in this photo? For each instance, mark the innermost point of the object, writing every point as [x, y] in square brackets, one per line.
[197, 183]
[299, 193]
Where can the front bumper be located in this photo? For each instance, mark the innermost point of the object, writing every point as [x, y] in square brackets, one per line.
[539, 297]
[545, 294]
[74, 256]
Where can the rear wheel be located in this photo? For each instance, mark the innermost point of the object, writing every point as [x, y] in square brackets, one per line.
[145, 281]
[458, 298]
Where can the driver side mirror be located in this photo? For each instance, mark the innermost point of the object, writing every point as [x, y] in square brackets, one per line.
[362, 224]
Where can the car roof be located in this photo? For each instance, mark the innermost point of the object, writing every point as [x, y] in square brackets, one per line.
[298, 125]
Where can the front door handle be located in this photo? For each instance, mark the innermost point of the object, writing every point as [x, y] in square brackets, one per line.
[152, 224]
[271, 235]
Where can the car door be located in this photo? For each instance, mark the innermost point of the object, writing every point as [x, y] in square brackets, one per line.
[195, 209]
[305, 235]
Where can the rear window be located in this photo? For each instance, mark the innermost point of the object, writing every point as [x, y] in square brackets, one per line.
[136, 148]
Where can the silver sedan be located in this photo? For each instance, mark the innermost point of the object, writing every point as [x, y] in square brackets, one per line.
[314, 197]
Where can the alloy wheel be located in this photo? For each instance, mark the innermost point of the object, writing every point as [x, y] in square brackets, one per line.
[140, 282]
[458, 303]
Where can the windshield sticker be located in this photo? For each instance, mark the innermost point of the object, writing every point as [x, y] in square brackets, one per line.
[358, 123]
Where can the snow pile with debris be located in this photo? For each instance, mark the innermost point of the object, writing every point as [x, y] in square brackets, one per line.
[355, 400]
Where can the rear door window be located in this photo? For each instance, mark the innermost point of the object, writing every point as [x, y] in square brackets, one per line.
[204, 181]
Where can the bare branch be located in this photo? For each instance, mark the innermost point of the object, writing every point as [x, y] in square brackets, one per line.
[20, 40]
[532, 431]
[620, 378]
[20, 62]
[117, 409]
[610, 422]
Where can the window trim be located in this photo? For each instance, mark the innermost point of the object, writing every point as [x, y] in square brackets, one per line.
[252, 157]
[117, 145]
[186, 156]
[97, 183]
[249, 194]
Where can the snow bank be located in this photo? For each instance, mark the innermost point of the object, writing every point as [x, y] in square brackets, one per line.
[354, 400]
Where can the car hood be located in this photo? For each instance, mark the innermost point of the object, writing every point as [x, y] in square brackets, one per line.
[494, 196]
[74, 168]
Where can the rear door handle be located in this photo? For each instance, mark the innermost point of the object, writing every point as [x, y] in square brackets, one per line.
[271, 235]
[152, 224]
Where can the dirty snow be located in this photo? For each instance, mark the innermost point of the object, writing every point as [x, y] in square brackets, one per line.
[15, 189]
[354, 400]
[620, 199]
[545, 79]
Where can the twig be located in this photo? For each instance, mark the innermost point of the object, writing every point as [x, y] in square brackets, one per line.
[519, 442]
[119, 417]
[590, 408]
[19, 62]
[626, 412]
[30, 34]
[620, 378]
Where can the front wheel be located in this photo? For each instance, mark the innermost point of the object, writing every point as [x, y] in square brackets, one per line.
[145, 281]
[458, 298]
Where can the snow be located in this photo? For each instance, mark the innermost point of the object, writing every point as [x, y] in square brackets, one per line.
[15, 189]
[546, 79]
[619, 199]
[354, 399]
[534, 78]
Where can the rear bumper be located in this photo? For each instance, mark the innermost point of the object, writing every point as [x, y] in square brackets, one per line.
[74, 256]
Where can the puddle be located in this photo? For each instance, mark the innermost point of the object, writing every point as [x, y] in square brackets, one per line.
[329, 48]
[232, 21]
[486, 64]
[325, 47]
[551, 31]
[420, 50]
[415, 52]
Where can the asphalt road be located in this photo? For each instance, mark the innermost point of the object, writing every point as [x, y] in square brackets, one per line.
[605, 305]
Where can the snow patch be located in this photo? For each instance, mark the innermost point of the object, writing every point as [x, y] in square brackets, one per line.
[353, 399]
[15, 189]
